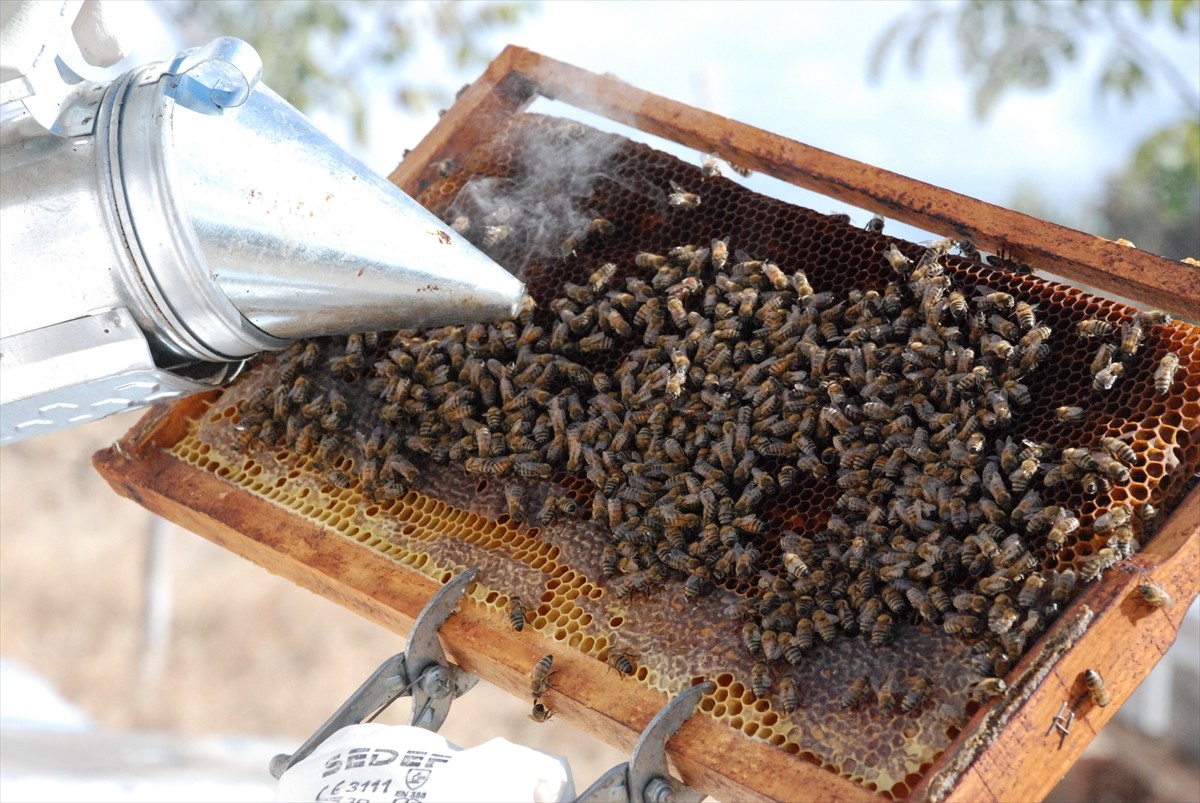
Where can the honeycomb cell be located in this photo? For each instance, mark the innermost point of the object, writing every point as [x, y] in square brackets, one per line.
[633, 544]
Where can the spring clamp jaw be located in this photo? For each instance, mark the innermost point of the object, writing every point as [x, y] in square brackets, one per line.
[421, 671]
[645, 778]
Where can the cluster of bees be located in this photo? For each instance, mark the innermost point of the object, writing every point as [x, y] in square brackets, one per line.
[738, 381]
[1119, 347]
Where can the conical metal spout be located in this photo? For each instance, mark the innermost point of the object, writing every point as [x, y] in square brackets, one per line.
[161, 228]
[305, 240]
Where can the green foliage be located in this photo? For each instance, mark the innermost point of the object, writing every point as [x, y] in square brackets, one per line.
[1024, 44]
[322, 54]
[1021, 44]
[1155, 201]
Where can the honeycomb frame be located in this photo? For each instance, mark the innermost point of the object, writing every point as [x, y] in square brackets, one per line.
[574, 582]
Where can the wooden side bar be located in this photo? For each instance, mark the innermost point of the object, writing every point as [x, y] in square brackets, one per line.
[1016, 754]
[1083, 258]
[710, 756]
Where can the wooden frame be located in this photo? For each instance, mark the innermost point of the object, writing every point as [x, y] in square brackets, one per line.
[1008, 751]
[518, 75]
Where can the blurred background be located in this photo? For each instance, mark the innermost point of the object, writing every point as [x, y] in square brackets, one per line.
[141, 662]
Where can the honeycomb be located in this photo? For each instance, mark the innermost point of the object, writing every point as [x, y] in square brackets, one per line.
[353, 433]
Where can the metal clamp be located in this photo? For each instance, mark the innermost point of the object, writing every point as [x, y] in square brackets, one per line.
[421, 671]
[645, 778]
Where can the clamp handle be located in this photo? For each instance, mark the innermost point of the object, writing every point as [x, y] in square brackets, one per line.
[421, 671]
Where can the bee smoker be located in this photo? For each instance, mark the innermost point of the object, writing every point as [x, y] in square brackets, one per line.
[161, 228]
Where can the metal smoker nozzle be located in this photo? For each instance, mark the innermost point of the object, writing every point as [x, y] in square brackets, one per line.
[168, 225]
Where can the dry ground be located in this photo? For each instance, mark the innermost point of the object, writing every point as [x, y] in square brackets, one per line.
[248, 653]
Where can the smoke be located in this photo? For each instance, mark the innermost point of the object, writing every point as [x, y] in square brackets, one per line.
[541, 209]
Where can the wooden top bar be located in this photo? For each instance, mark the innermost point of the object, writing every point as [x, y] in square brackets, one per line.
[1083, 258]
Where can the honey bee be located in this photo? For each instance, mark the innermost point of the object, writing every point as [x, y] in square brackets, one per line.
[570, 245]
[778, 280]
[601, 277]
[881, 630]
[1106, 378]
[620, 661]
[803, 636]
[1063, 526]
[986, 688]
[1115, 517]
[760, 680]
[610, 560]
[539, 678]
[1164, 374]
[337, 478]
[1104, 357]
[770, 645]
[887, 694]
[1069, 415]
[1154, 595]
[599, 227]
[681, 199]
[645, 259]
[902, 264]
[516, 614]
[1096, 688]
[1094, 327]
[1030, 590]
[1131, 338]
[1020, 477]
[1025, 315]
[1119, 449]
[790, 649]
[710, 167]
[856, 692]
[752, 638]
[874, 225]
[994, 584]
[1122, 541]
[1147, 514]
[789, 697]
[1095, 565]
[494, 235]
[719, 253]
[541, 713]
[917, 693]
[548, 512]
[1064, 584]
[1154, 317]
[995, 300]
[968, 602]
[490, 466]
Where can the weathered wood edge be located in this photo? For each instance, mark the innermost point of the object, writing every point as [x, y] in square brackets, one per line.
[1081, 257]
[384, 591]
[1011, 751]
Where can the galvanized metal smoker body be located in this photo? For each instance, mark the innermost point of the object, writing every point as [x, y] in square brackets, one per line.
[159, 229]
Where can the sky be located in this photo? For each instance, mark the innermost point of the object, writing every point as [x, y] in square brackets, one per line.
[800, 70]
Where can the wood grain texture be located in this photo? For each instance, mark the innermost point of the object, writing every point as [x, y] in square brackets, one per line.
[710, 756]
